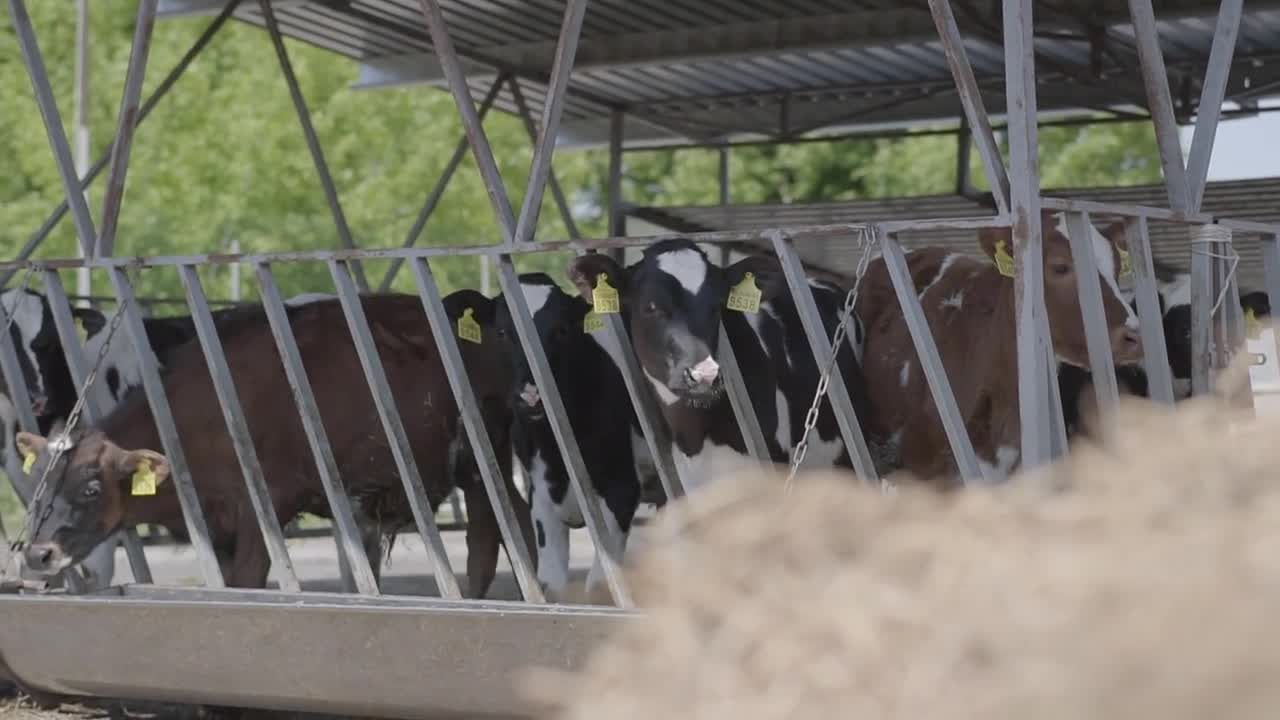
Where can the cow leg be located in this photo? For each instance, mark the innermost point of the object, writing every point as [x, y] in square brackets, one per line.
[250, 563]
[618, 514]
[483, 540]
[552, 538]
[371, 541]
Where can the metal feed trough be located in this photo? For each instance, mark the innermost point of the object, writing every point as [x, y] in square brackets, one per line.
[368, 653]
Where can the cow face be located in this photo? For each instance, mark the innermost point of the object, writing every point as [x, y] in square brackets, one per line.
[1062, 301]
[1175, 299]
[86, 497]
[558, 318]
[672, 299]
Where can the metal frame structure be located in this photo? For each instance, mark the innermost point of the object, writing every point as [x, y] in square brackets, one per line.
[494, 638]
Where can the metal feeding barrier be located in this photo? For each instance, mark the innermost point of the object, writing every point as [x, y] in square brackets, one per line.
[366, 652]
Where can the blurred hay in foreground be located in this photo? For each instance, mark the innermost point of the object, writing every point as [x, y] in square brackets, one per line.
[1137, 580]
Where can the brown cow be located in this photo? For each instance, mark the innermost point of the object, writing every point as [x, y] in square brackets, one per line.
[91, 495]
[969, 305]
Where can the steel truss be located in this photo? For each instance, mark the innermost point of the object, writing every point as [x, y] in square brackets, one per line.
[1018, 203]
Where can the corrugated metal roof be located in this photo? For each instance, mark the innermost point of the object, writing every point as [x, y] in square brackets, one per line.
[713, 69]
[1253, 200]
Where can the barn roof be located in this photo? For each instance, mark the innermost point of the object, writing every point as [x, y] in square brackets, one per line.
[715, 69]
[1253, 200]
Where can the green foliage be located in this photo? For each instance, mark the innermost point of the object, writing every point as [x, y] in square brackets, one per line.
[223, 159]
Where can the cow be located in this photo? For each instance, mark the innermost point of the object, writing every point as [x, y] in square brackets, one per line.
[587, 367]
[969, 305]
[48, 380]
[673, 301]
[94, 494]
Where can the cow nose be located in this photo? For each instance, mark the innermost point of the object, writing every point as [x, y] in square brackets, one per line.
[529, 394]
[1127, 346]
[705, 372]
[38, 404]
[44, 557]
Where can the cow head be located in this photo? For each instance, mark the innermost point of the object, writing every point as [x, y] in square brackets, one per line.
[486, 363]
[1062, 302]
[1175, 300]
[672, 299]
[558, 318]
[88, 492]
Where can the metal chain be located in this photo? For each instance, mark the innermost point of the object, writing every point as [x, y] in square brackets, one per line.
[837, 341]
[62, 443]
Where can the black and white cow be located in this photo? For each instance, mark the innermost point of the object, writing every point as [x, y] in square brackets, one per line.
[52, 390]
[673, 300]
[587, 369]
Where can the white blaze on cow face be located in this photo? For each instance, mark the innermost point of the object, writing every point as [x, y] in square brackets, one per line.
[530, 394]
[536, 296]
[688, 267]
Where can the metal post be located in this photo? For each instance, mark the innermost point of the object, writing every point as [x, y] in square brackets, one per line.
[126, 123]
[1033, 391]
[442, 184]
[346, 532]
[1097, 339]
[80, 123]
[930, 362]
[1206, 241]
[153, 385]
[95, 404]
[723, 153]
[39, 76]
[473, 421]
[1271, 266]
[1211, 95]
[313, 140]
[161, 90]
[975, 111]
[740, 401]
[385, 403]
[238, 429]
[1160, 101]
[562, 203]
[1155, 355]
[616, 135]
[552, 110]
[19, 397]
[820, 342]
[523, 319]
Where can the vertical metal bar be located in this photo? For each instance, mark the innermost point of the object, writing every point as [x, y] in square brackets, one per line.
[740, 401]
[558, 417]
[1214, 89]
[964, 145]
[39, 76]
[473, 421]
[562, 203]
[1057, 423]
[1235, 338]
[1155, 354]
[346, 531]
[723, 153]
[1203, 246]
[1024, 203]
[80, 121]
[161, 90]
[162, 414]
[448, 57]
[95, 406]
[238, 429]
[930, 362]
[126, 123]
[1097, 339]
[552, 110]
[437, 192]
[837, 394]
[1160, 101]
[384, 401]
[16, 386]
[1271, 268]
[616, 137]
[313, 140]
[975, 111]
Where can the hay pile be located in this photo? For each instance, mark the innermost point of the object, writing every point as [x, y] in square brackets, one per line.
[1137, 581]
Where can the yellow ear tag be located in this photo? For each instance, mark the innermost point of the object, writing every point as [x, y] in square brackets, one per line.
[592, 322]
[1126, 265]
[1004, 261]
[745, 296]
[81, 332]
[144, 479]
[28, 461]
[1252, 326]
[604, 298]
[468, 328]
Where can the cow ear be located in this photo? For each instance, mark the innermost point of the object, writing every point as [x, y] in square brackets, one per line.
[91, 320]
[991, 239]
[1115, 232]
[30, 444]
[585, 272]
[765, 270]
[1258, 302]
[143, 470]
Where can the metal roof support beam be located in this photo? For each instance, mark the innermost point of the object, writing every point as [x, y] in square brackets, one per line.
[1160, 102]
[442, 184]
[313, 141]
[1212, 93]
[48, 104]
[161, 90]
[975, 111]
[1024, 202]
[617, 135]
[557, 192]
[522, 318]
[126, 123]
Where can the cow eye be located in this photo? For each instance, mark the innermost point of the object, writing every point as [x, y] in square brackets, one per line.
[651, 308]
[1060, 268]
[91, 490]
